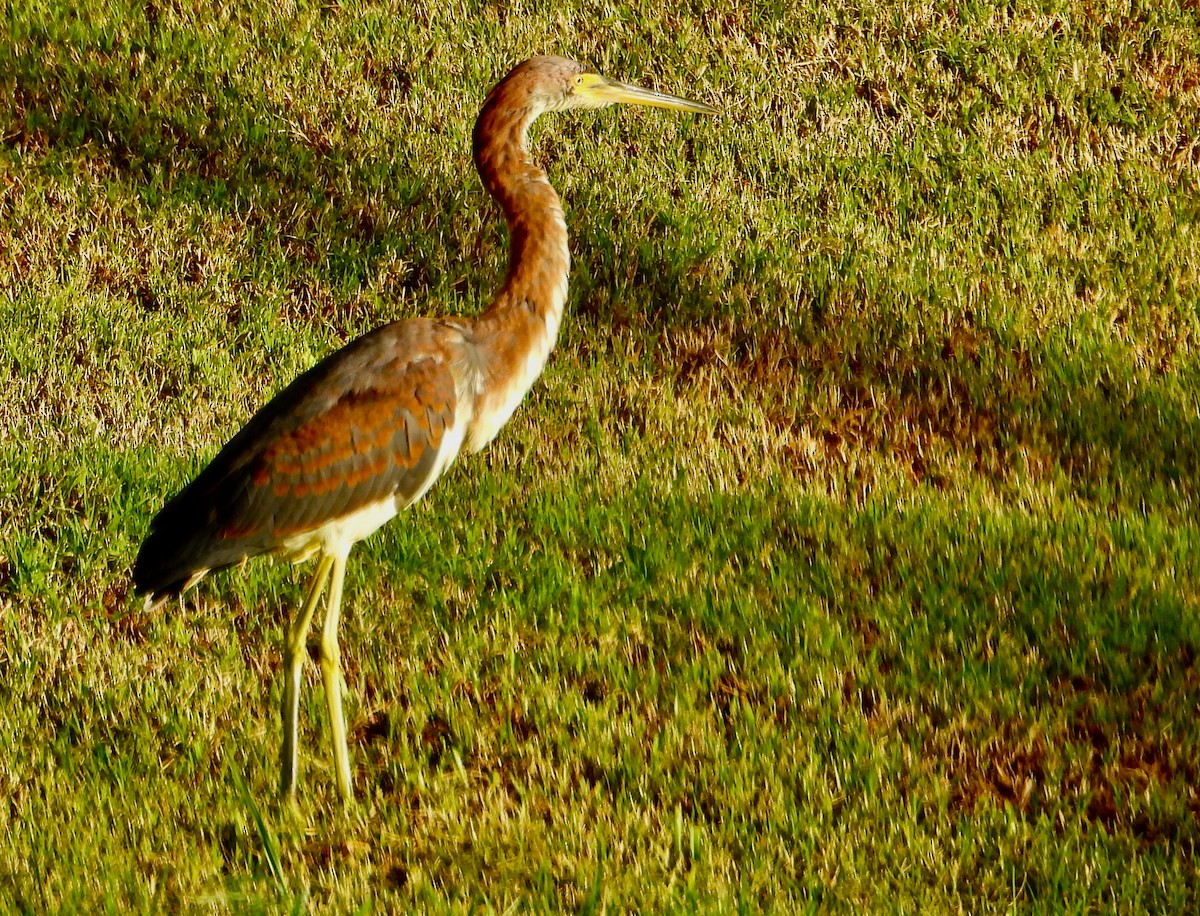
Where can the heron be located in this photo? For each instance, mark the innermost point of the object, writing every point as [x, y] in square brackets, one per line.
[370, 428]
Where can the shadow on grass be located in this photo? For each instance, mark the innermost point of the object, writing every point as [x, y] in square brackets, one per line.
[1141, 446]
[218, 147]
[1014, 410]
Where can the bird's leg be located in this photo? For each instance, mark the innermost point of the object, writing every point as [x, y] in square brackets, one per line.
[293, 664]
[331, 672]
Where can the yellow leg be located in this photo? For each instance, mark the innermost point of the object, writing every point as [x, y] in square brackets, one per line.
[331, 673]
[293, 664]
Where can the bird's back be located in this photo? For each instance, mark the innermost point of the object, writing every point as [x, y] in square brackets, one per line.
[372, 425]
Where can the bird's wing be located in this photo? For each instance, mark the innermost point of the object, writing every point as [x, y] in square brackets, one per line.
[371, 442]
[373, 421]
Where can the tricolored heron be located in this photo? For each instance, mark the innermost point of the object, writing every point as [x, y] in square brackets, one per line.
[365, 432]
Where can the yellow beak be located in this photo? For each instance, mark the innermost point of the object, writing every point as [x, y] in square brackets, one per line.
[604, 91]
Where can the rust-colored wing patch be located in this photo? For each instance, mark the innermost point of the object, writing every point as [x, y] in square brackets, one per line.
[366, 445]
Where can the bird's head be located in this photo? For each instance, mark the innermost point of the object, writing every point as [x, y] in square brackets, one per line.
[559, 84]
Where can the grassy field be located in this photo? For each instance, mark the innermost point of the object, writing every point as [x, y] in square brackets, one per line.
[845, 558]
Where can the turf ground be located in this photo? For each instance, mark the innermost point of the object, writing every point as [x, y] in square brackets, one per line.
[845, 558]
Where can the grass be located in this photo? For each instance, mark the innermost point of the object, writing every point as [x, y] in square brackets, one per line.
[845, 558]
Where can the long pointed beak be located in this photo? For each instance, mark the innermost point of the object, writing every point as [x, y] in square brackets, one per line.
[609, 91]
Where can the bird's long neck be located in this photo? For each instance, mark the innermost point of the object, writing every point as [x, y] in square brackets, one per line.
[516, 333]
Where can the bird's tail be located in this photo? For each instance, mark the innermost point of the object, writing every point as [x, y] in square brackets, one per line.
[165, 566]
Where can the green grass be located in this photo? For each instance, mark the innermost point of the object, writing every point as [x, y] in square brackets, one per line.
[844, 559]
